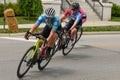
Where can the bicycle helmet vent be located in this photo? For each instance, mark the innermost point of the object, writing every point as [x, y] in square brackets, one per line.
[50, 12]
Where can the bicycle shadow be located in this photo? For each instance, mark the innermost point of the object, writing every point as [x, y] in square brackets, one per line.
[63, 68]
[51, 73]
[78, 53]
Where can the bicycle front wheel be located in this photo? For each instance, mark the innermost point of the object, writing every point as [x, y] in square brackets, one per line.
[56, 46]
[79, 34]
[67, 46]
[25, 62]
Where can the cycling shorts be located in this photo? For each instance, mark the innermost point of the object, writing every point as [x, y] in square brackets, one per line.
[71, 22]
[46, 31]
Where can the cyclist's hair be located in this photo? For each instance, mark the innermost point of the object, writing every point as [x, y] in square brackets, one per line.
[50, 12]
[75, 6]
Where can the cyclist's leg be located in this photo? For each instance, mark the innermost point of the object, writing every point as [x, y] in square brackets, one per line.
[79, 25]
[51, 40]
[46, 32]
[79, 31]
[74, 30]
[68, 25]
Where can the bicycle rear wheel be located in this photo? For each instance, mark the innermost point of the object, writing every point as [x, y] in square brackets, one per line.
[43, 61]
[25, 62]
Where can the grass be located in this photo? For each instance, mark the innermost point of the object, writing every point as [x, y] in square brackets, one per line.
[24, 20]
[101, 28]
[85, 29]
[115, 19]
[21, 20]
[1, 20]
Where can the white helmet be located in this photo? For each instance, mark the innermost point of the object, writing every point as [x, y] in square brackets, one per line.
[50, 12]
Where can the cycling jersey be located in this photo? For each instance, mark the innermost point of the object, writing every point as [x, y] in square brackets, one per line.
[74, 16]
[54, 24]
[82, 14]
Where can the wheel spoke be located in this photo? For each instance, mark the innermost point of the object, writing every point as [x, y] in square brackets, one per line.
[25, 63]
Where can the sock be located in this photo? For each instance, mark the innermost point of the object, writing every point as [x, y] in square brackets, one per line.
[49, 48]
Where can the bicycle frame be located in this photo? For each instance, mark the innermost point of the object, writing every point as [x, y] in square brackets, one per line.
[36, 46]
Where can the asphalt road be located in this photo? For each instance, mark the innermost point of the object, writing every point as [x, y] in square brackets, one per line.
[95, 57]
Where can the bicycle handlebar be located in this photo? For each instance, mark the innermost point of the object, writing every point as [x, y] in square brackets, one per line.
[37, 35]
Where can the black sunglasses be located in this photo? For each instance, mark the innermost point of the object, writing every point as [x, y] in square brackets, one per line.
[49, 18]
[74, 9]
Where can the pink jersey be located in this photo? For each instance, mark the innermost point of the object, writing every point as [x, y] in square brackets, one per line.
[83, 14]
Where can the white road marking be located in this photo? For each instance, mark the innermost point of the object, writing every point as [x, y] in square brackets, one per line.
[19, 39]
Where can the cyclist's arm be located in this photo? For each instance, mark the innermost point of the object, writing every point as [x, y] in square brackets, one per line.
[65, 14]
[63, 17]
[74, 25]
[38, 22]
[34, 27]
[78, 17]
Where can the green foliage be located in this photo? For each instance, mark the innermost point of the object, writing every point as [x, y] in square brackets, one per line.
[31, 7]
[1, 10]
[24, 8]
[115, 10]
[101, 28]
[15, 7]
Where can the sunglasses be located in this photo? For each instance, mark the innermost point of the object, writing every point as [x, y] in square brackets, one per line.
[49, 18]
[74, 9]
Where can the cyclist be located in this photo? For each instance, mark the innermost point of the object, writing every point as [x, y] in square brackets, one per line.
[76, 15]
[51, 28]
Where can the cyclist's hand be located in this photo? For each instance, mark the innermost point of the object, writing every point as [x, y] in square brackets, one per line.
[27, 35]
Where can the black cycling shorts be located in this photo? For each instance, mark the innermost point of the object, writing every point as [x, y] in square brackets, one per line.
[71, 22]
[46, 31]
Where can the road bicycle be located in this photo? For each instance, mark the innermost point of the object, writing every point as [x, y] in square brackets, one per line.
[35, 54]
[64, 41]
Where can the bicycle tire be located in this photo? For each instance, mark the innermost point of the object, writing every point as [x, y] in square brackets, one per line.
[56, 46]
[40, 66]
[79, 34]
[28, 63]
[66, 44]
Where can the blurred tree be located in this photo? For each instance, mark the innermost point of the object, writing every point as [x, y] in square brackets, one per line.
[31, 7]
